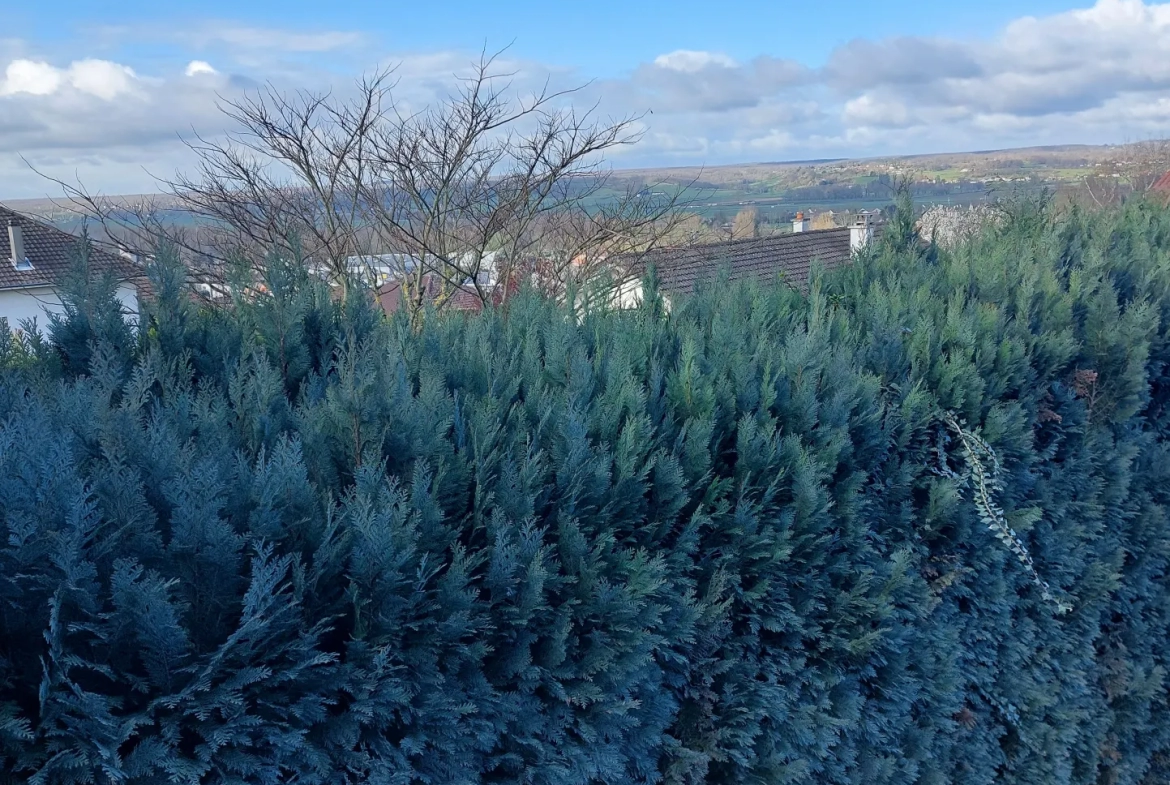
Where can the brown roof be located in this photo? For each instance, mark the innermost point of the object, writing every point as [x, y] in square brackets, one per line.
[765, 258]
[52, 252]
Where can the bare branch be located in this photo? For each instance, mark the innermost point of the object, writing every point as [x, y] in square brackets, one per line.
[468, 197]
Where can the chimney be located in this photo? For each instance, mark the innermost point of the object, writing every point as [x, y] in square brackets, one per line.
[801, 223]
[861, 232]
[16, 247]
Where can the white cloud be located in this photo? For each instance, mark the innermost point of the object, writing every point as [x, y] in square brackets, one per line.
[1061, 65]
[1100, 74]
[690, 62]
[100, 78]
[229, 36]
[869, 109]
[60, 117]
[197, 67]
[28, 76]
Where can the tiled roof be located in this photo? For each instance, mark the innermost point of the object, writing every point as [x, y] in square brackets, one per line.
[767, 258]
[1162, 186]
[52, 253]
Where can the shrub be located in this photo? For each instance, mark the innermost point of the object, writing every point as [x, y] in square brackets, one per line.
[735, 542]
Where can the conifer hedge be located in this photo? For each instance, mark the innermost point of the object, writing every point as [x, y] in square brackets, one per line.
[909, 528]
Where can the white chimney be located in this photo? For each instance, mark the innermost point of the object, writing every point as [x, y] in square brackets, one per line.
[801, 223]
[16, 247]
[861, 232]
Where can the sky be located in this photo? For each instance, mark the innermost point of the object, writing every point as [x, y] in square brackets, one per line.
[106, 98]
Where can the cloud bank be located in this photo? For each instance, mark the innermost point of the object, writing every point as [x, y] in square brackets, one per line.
[1100, 74]
[1094, 75]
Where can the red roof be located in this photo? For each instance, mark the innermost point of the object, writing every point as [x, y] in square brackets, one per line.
[462, 299]
[1162, 186]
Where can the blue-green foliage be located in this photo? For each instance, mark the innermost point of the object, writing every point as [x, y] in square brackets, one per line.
[289, 541]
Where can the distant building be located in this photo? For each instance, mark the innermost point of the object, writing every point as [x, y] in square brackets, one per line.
[787, 256]
[376, 269]
[35, 260]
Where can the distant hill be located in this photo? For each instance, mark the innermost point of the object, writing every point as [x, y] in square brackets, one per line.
[1056, 161]
[777, 189]
[62, 209]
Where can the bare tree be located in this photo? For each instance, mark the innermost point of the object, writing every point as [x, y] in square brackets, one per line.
[746, 224]
[950, 226]
[824, 220]
[574, 245]
[1145, 162]
[483, 190]
[1104, 184]
[286, 181]
[469, 195]
[290, 179]
[1133, 169]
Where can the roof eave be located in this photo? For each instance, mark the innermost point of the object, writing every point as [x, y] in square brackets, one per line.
[36, 285]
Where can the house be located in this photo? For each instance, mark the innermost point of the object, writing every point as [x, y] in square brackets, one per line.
[35, 259]
[380, 270]
[1161, 188]
[374, 269]
[390, 271]
[464, 298]
[787, 256]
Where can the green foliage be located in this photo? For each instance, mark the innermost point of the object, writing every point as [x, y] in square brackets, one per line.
[92, 320]
[732, 541]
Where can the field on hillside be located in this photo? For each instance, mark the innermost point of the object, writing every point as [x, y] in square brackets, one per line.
[780, 189]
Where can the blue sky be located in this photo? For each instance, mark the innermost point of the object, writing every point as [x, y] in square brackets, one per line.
[603, 37]
[102, 96]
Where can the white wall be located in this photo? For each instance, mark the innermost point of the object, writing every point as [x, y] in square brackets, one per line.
[629, 295]
[17, 305]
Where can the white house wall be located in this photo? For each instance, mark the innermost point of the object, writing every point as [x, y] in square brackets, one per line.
[630, 295]
[128, 296]
[20, 305]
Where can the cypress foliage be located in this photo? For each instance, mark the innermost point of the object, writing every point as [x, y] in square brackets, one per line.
[736, 541]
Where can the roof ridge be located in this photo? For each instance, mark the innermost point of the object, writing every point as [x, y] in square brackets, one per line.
[747, 240]
[97, 245]
[51, 251]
